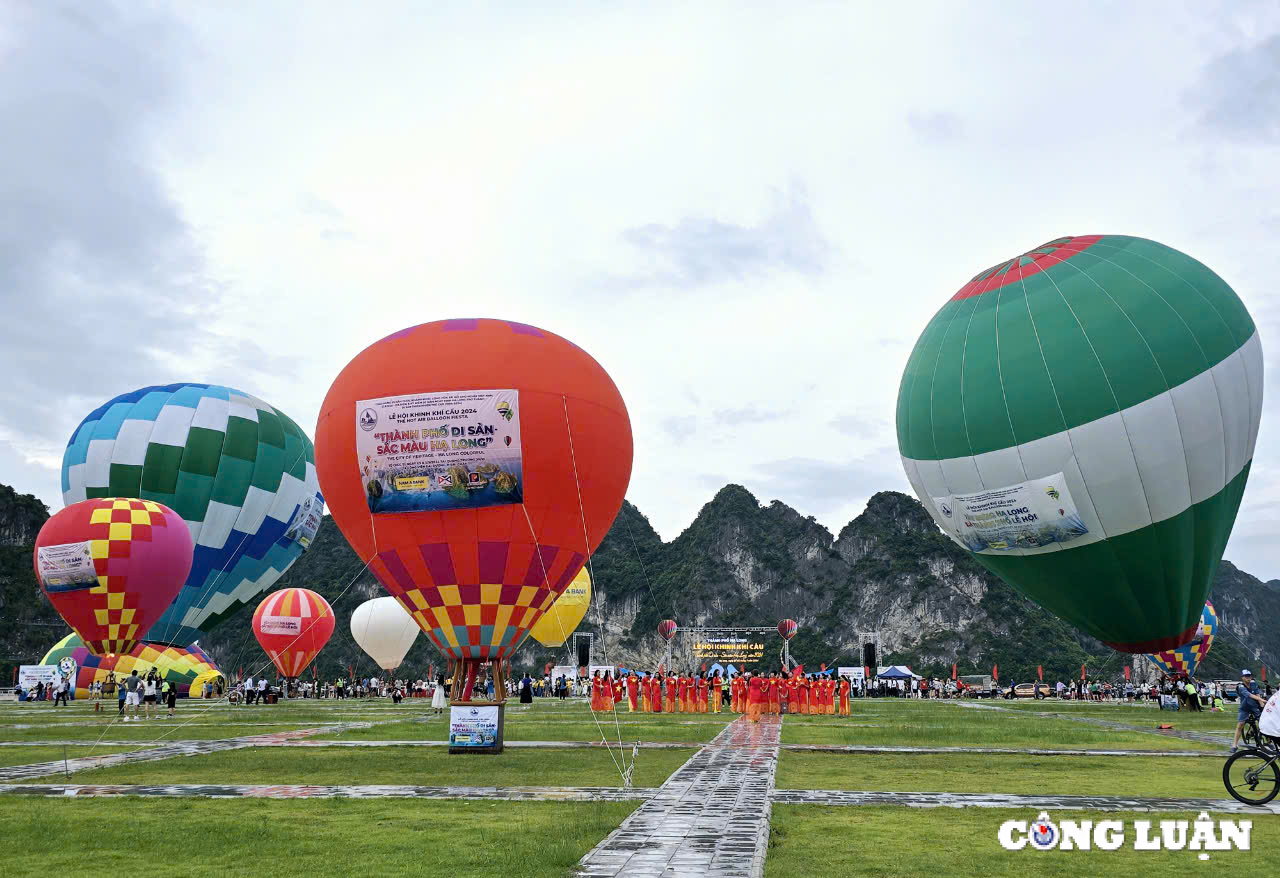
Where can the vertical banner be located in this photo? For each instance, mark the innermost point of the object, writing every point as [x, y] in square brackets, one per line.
[1126, 672]
[953, 671]
[1082, 673]
[995, 672]
[450, 450]
[1040, 672]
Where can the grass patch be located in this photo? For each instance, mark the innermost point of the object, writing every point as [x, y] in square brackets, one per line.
[317, 837]
[1153, 776]
[808, 840]
[925, 724]
[420, 766]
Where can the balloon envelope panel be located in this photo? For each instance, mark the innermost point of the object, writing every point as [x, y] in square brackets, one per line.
[564, 616]
[477, 579]
[240, 474]
[180, 666]
[110, 566]
[1083, 418]
[1183, 661]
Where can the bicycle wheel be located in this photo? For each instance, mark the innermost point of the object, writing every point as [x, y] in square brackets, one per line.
[1249, 734]
[1252, 776]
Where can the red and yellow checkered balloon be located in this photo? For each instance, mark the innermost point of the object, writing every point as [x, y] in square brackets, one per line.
[111, 566]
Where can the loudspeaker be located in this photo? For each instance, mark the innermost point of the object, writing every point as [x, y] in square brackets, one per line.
[869, 656]
[583, 648]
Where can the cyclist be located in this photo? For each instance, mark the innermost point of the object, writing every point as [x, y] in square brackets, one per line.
[1249, 704]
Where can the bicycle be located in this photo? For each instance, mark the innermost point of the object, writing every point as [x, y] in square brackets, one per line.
[1249, 734]
[1252, 775]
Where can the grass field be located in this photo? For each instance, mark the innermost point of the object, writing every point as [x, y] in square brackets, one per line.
[315, 837]
[517, 839]
[889, 842]
[894, 722]
[1152, 776]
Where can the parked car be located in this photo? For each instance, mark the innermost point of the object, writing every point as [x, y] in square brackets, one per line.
[1031, 690]
[980, 686]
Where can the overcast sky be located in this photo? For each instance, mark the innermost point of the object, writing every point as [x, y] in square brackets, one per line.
[746, 212]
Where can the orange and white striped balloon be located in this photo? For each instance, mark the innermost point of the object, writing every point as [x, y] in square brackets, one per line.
[293, 625]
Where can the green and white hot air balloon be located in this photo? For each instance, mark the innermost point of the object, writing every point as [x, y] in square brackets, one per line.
[1082, 418]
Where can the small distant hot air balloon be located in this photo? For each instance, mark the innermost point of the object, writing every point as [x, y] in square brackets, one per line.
[476, 536]
[239, 473]
[111, 566]
[1082, 418]
[787, 628]
[1183, 661]
[384, 630]
[667, 629]
[293, 625]
[564, 616]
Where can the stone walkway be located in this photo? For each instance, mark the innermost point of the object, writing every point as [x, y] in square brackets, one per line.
[1002, 800]
[146, 753]
[710, 818]
[305, 791]
[1016, 751]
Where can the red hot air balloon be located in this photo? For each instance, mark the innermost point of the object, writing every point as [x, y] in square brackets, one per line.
[293, 625]
[111, 567]
[667, 629]
[474, 535]
[787, 628]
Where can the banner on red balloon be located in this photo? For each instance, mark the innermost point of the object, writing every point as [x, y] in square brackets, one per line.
[438, 451]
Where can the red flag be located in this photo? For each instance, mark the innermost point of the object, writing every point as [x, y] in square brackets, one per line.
[1126, 672]
[866, 670]
[797, 671]
[1264, 673]
[1040, 672]
[824, 666]
[953, 670]
[1082, 672]
[704, 667]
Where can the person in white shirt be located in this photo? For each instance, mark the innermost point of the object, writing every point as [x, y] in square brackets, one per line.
[262, 690]
[248, 690]
[1269, 722]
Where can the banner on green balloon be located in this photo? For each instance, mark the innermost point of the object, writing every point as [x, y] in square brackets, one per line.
[1029, 515]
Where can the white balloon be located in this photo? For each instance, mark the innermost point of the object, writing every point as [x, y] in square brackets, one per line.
[384, 630]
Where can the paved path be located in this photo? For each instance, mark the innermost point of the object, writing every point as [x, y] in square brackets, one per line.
[168, 750]
[1018, 751]
[304, 791]
[710, 818]
[1002, 800]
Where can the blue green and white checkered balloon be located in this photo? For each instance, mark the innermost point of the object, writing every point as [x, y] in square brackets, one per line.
[239, 472]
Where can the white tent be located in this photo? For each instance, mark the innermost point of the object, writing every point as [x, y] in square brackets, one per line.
[897, 672]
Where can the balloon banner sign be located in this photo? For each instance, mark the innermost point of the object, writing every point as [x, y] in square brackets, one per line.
[476, 727]
[729, 646]
[306, 521]
[67, 566]
[439, 451]
[1029, 515]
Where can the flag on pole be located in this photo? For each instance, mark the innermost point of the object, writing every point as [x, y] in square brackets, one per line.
[1126, 672]
[1264, 673]
[953, 670]
[1040, 672]
[995, 673]
[1082, 673]
[866, 672]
